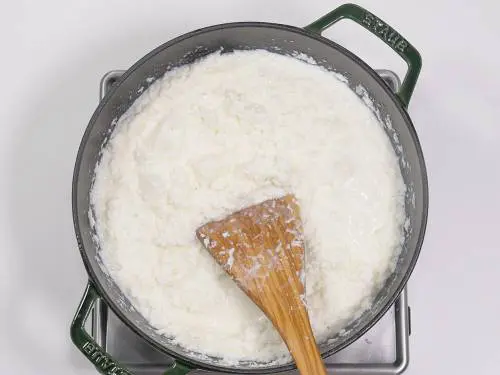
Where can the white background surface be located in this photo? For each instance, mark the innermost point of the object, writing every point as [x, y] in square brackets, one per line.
[53, 54]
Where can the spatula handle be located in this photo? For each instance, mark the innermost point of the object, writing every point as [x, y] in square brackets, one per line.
[301, 343]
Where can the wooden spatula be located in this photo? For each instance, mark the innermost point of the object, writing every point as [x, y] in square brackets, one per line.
[262, 248]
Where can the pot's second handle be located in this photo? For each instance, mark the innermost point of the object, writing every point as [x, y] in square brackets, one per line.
[103, 362]
[385, 33]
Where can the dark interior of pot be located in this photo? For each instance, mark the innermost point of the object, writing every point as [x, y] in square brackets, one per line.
[279, 39]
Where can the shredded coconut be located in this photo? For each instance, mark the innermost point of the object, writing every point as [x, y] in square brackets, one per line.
[224, 133]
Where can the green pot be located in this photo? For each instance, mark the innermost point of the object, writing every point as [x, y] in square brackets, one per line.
[244, 36]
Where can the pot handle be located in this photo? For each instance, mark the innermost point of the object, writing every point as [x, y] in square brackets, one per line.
[103, 362]
[385, 33]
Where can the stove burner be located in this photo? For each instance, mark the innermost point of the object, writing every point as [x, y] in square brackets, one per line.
[383, 350]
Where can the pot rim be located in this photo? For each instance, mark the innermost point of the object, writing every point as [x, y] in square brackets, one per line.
[195, 363]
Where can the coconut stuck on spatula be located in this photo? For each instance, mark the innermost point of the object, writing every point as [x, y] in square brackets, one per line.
[262, 248]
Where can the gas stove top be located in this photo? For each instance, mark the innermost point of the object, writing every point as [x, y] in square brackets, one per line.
[383, 350]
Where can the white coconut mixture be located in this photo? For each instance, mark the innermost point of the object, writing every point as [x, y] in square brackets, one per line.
[224, 133]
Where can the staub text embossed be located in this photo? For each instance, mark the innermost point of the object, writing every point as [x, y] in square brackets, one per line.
[101, 360]
[387, 33]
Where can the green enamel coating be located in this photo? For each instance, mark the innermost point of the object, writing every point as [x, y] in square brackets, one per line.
[177, 369]
[385, 33]
[103, 362]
